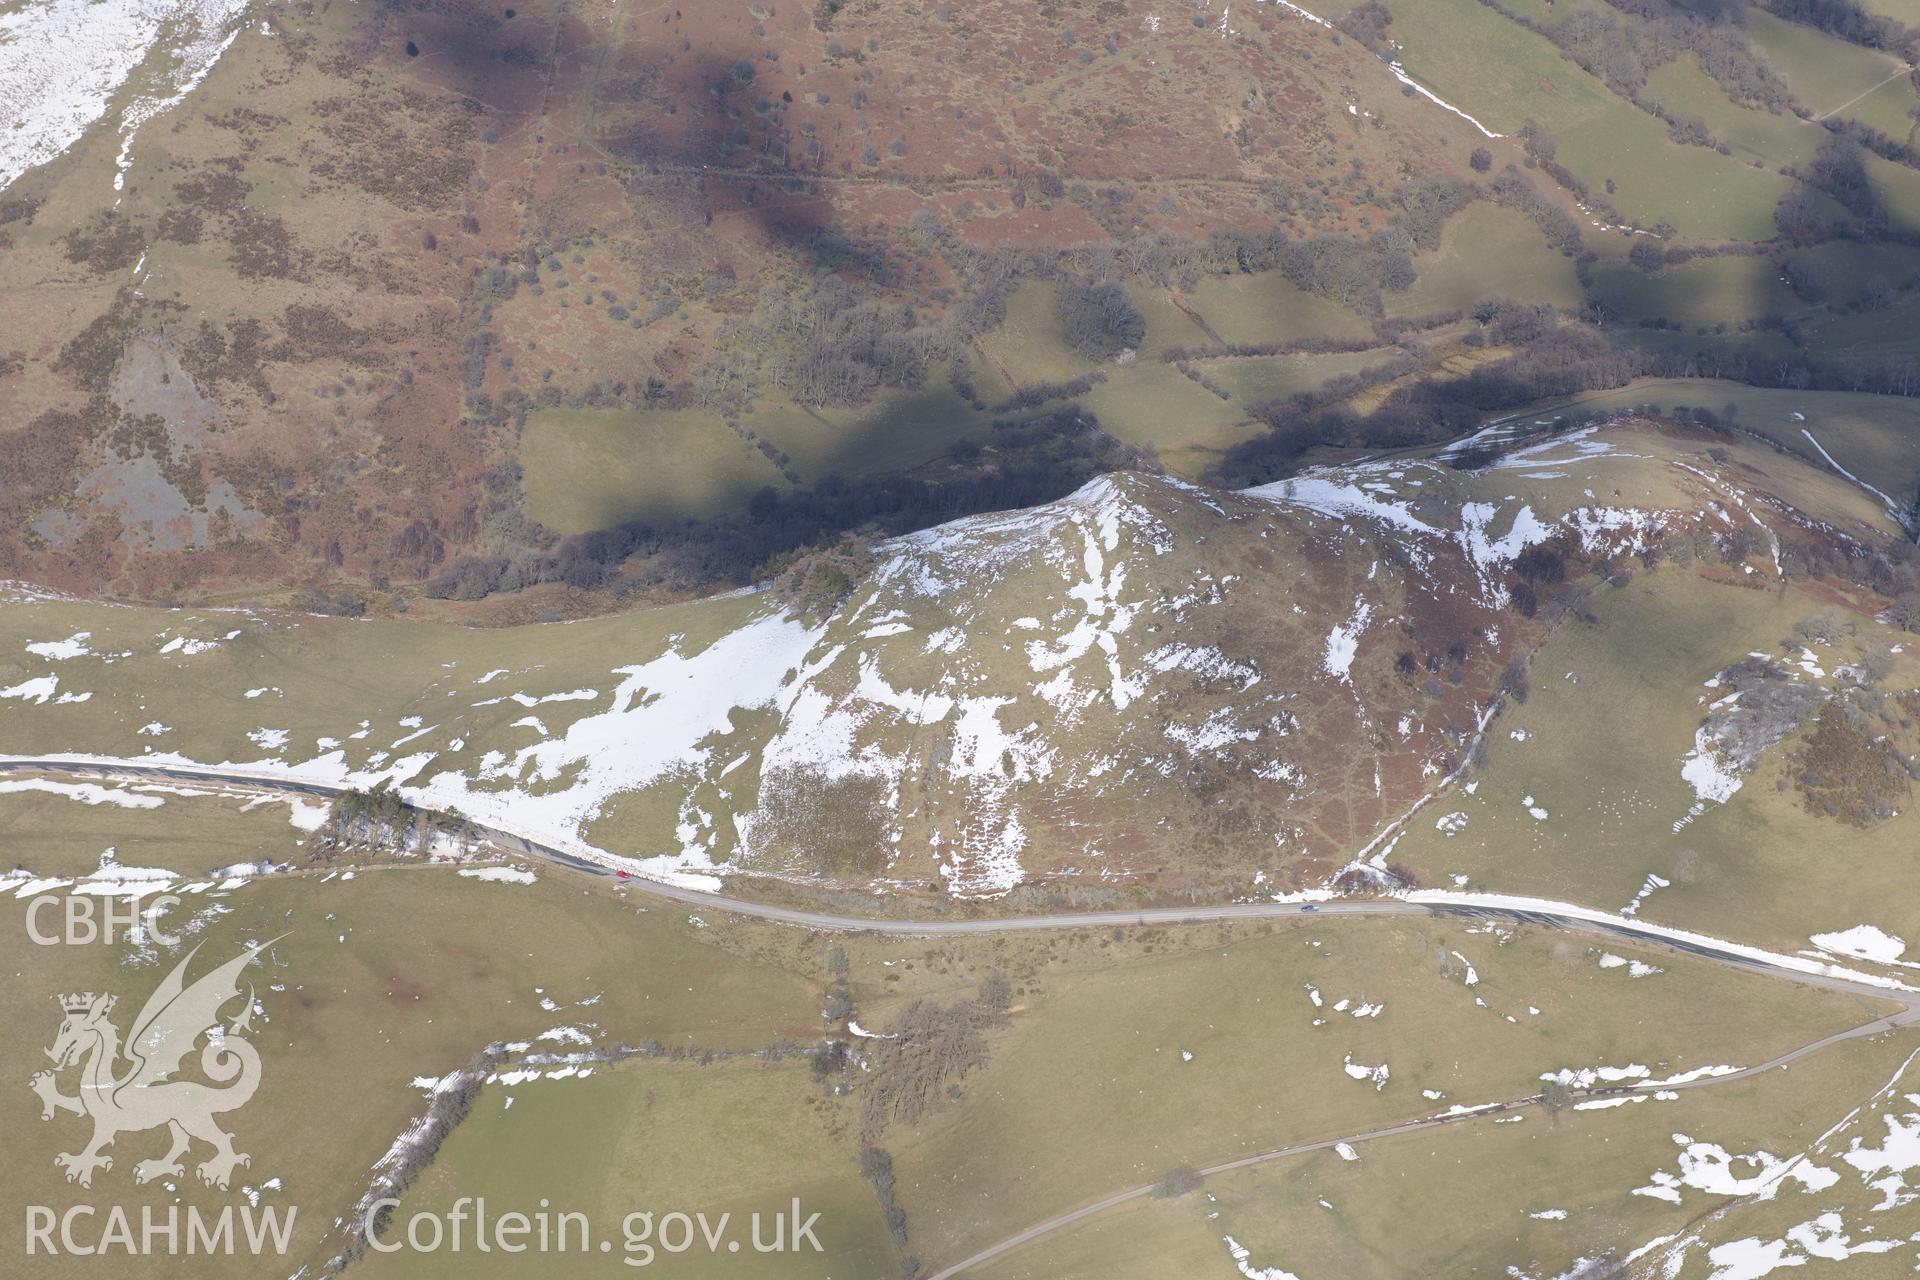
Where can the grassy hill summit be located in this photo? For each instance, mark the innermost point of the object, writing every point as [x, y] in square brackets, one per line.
[1145, 688]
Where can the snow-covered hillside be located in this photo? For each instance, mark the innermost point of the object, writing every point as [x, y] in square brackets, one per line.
[67, 64]
[1143, 683]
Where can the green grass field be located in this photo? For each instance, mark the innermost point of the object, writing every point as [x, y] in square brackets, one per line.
[397, 973]
[1759, 866]
[404, 971]
[1254, 379]
[1846, 268]
[589, 469]
[1480, 1183]
[1150, 403]
[1265, 307]
[1702, 292]
[1496, 69]
[1898, 190]
[1775, 140]
[738, 1138]
[1167, 324]
[1030, 345]
[1703, 193]
[1834, 77]
[899, 431]
[1099, 1040]
[1488, 250]
[592, 468]
[1892, 330]
[1506, 75]
[57, 835]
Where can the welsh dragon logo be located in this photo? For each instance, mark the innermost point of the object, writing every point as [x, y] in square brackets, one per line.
[125, 1085]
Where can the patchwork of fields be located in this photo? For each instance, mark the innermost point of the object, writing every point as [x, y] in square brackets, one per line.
[981, 641]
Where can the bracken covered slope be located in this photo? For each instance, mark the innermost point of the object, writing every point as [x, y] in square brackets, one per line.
[275, 277]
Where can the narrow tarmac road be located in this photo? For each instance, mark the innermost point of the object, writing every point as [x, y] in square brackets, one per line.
[1567, 917]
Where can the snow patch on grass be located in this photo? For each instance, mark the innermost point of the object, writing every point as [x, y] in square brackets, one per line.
[91, 793]
[38, 690]
[1863, 942]
[62, 62]
[74, 646]
[1242, 1261]
[1708, 1167]
[1360, 1071]
[1634, 968]
[499, 875]
[1343, 642]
